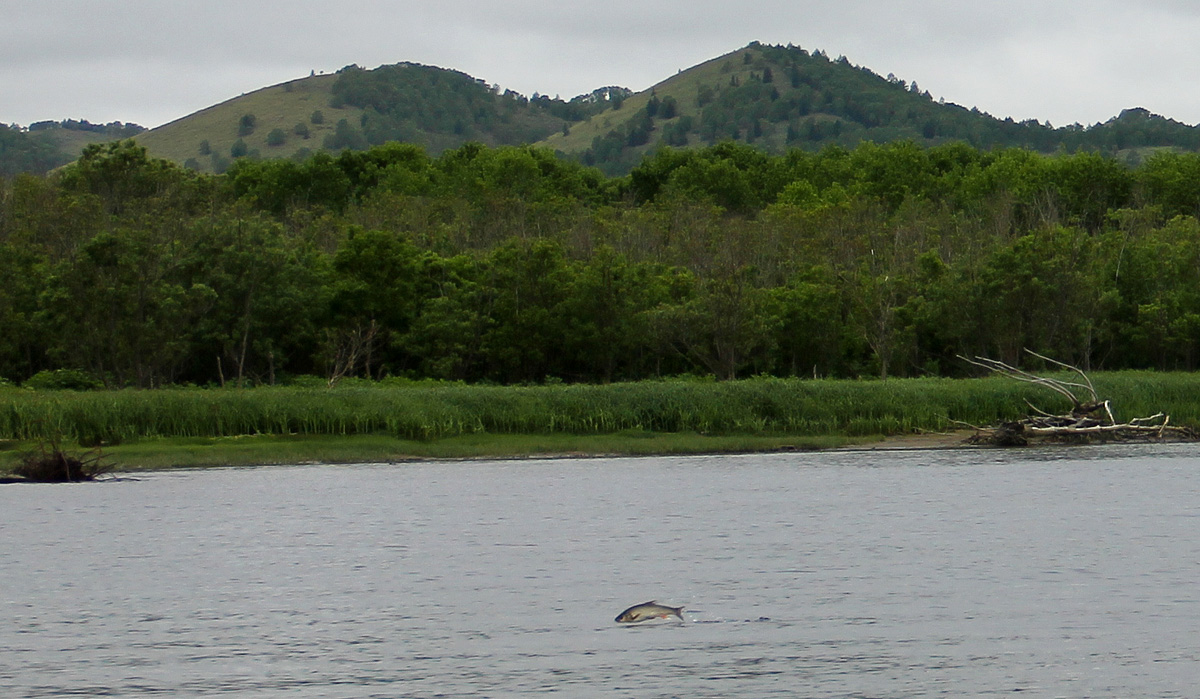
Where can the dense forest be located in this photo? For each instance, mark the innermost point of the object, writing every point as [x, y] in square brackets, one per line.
[513, 265]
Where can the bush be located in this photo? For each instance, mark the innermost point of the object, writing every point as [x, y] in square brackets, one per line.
[246, 124]
[63, 380]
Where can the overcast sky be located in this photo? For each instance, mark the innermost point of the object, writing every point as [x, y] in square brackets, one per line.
[152, 61]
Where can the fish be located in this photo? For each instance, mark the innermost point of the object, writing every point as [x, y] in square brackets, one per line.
[646, 611]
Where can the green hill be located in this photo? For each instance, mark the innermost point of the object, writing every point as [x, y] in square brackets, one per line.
[432, 107]
[785, 97]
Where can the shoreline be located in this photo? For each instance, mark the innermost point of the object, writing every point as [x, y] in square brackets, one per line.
[267, 450]
[956, 439]
[276, 450]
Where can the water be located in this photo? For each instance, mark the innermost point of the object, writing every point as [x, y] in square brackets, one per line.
[1070, 572]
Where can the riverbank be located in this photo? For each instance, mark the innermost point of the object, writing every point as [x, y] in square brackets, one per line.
[257, 450]
[367, 422]
[264, 450]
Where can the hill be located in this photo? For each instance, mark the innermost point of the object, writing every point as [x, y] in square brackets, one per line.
[355, 108]
[785, 97]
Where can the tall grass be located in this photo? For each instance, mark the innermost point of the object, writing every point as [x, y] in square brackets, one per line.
[427, 412]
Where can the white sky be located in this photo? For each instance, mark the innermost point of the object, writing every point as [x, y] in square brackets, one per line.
[152, 61]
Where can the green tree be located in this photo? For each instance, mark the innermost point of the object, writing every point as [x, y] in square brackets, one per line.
[734, 176]
[246, 125]
[345, 136]
[445, 339]
[278, 186]
[1154, 302]
[1039, 292]
[669, 109]
[123, 176]
[374, 290]
[121, 311]
[267, 296]
[722, 326]
[21, 273]
[1172, 180]
[806, 323]
[526, 283]
[606, 310]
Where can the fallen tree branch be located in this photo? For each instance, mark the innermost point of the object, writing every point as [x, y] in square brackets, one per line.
[1088, 419]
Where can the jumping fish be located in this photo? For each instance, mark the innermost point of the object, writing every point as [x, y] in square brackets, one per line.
[648, 610]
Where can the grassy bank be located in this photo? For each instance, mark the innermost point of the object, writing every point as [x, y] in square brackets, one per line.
[390, 422]
[177, 452]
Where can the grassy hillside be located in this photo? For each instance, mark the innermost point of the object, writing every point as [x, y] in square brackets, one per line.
[684, 87]
[282, 107]
[73, 141]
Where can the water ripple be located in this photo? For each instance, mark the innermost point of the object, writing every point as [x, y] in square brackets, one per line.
[927, 574]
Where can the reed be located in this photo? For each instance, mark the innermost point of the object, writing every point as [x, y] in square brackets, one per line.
[760, 406]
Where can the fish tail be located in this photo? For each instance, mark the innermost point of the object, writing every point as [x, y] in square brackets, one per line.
[678, 612]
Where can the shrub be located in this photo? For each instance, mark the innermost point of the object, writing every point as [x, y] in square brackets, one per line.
[63, 380]
[246, 124]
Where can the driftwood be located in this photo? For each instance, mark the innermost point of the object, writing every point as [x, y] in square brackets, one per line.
[1090, 419]
[51, 464]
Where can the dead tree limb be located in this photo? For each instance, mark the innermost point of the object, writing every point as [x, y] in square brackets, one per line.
[1079, 406]
[1090, 416]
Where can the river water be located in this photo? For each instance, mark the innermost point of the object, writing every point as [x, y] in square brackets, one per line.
[1070, 572]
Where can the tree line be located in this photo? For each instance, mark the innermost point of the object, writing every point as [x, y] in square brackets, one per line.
[40, 147]
[512, 265]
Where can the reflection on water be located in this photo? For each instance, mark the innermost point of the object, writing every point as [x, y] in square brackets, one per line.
[1064, 572]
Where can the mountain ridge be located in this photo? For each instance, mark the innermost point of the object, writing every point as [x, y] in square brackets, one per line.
[775, 97]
